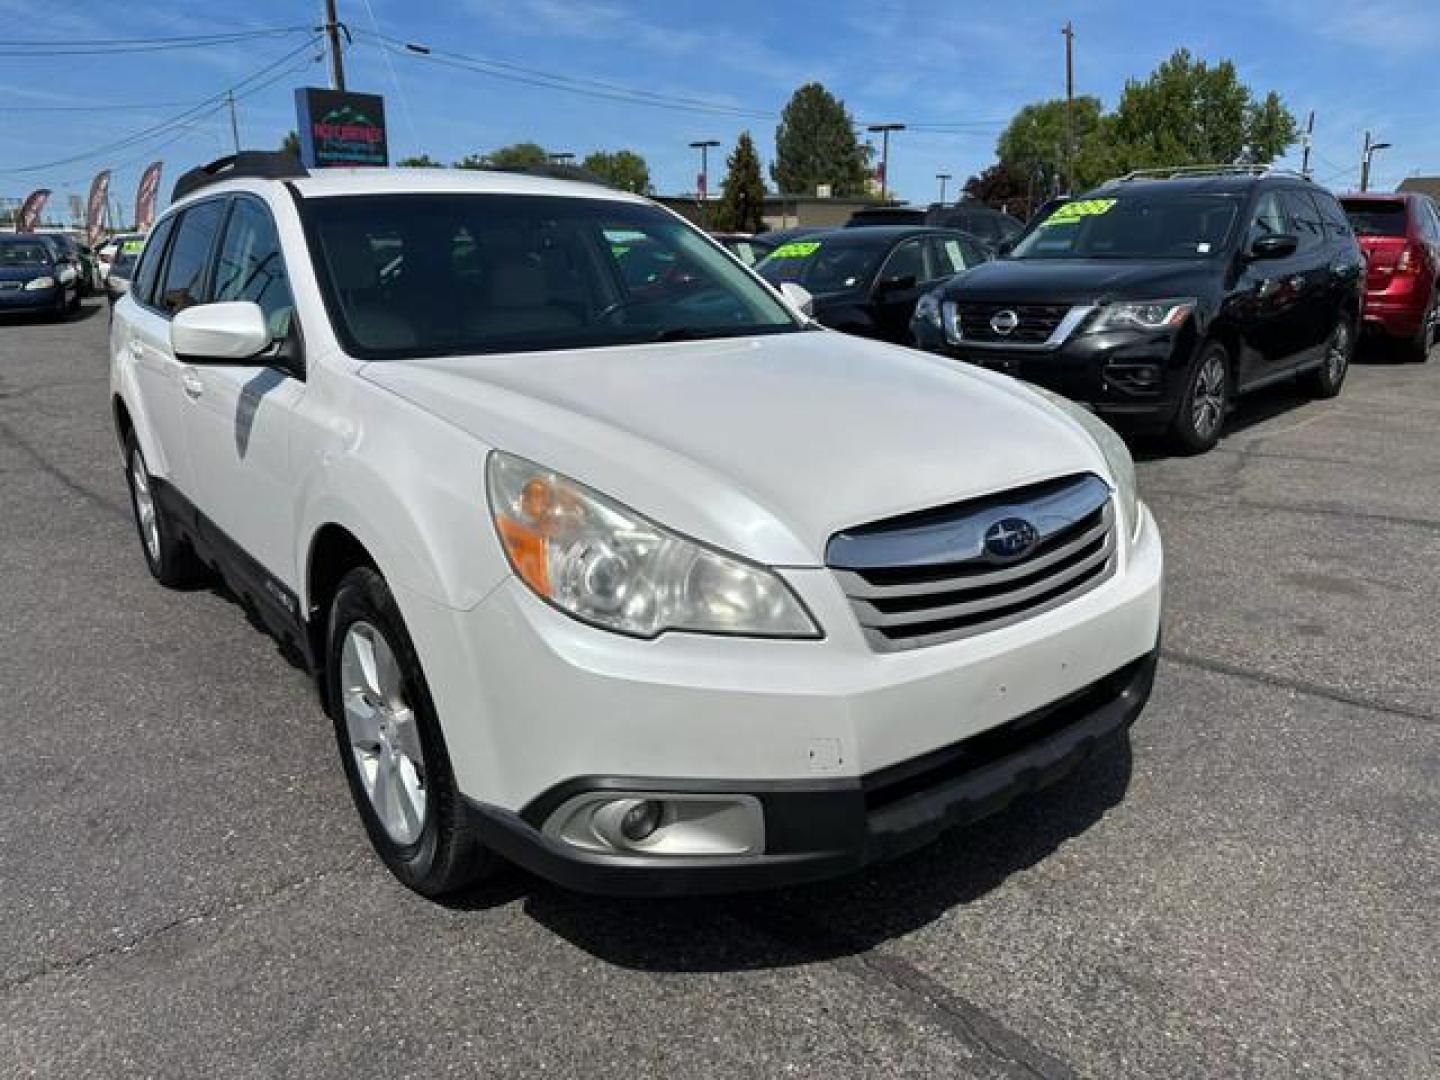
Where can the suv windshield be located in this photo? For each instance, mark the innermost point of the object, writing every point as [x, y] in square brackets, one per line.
[1151, 226]
[436, 275]
[24, 253]
[824, 264]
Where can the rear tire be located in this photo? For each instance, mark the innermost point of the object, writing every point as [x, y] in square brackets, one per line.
[170, 558]
[1418, 349]
[1203, 406]
[391, 746]
[1326, 380]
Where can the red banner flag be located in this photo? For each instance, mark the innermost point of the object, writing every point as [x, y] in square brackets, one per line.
[30, 210]
[145, 196]
[95, 208]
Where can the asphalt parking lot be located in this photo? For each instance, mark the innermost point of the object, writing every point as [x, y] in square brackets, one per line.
[1251, 889]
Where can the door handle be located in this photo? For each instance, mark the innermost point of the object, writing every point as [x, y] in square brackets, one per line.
[191, 384]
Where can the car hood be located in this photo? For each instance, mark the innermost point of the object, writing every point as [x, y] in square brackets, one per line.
[764, 446]
[1084, 281]
[25, 273]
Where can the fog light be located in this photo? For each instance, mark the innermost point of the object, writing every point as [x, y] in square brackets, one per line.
[641, 820]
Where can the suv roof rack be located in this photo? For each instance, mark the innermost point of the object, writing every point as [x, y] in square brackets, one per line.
[259, 164]
[1177, 172]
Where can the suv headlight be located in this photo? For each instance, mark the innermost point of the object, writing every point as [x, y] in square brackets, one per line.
[1116, 453]
[927, 309]
[604, 564]
[1142, 315]
[40, 283]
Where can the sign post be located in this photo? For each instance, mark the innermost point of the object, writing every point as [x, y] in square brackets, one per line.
[338, 128]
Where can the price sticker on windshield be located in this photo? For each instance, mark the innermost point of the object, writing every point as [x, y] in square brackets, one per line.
[1074, 211]
[796, 249]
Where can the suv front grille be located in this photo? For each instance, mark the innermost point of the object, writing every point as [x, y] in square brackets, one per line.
[930, 577]
[1036, 322]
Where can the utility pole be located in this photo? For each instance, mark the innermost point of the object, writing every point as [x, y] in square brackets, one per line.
[702, 182]
[1305, 140]
[884, 130]
[1365, 156]
[1069, 34]
[234, 124]
[942, 177]
[332, 31]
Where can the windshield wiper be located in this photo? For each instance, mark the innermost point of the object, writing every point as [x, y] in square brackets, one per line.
[696, 333]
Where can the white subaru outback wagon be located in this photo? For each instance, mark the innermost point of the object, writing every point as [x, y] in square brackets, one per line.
[607, 560]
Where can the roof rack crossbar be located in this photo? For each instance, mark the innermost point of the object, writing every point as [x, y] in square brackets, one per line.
[1177, 171]
[259, 164]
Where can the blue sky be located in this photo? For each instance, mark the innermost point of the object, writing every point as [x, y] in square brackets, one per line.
[971, 65]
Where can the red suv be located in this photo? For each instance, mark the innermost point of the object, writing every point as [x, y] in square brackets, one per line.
[1400, 235]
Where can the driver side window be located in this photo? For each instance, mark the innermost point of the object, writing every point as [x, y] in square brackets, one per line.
[907, 260]
[251, 266]
[1269, 219]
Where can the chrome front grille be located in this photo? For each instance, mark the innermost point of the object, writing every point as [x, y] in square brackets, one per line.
[1034, 323]
[935, 576]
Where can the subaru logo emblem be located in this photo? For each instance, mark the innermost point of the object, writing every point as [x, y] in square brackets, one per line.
[1004, 322]
[1010, 539]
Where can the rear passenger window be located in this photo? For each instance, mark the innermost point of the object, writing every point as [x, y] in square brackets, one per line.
[250, 266]
[151, 259]
[190, 257]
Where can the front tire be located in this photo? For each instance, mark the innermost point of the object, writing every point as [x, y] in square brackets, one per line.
[1326, 380]
[170, 558]
[1205, 402]
[391, 745]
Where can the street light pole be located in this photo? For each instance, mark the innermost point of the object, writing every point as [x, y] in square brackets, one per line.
[1365, 156]
[702, 186]
[942, 177]
[884, 130]
[1069, 32]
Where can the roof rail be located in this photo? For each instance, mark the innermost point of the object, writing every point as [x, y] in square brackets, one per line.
[260, 164]
[1176, 172]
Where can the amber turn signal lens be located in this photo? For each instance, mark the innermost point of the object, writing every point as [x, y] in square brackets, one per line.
[526, 548]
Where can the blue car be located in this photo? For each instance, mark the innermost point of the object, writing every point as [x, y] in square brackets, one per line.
[35, 276]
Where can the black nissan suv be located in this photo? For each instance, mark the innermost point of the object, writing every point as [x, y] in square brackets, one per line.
[1157, 298]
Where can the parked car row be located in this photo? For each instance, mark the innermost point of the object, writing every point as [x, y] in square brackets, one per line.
[1156, 300]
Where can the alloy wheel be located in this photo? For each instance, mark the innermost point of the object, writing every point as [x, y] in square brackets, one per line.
[1207, 407]
[144, 505]
[1337, 354]
[384, 736]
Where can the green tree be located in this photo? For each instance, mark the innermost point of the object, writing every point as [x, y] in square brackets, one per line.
[519, 155]
[742, 193]
[290, 144]
[1033, 144]
[1001, 185]
[1191, 113]
[624, 169]
[420, 161]
[815, 144]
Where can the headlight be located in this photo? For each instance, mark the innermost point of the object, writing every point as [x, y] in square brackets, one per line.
[607, 565]
[40, 283]
[1116, 453]
[1142, 315]
[927, 309]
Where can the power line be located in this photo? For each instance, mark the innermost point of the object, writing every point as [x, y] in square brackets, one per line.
[116, 46]
[138, 107]
[206, 107]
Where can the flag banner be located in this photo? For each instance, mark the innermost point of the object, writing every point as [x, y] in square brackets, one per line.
[30, 210]
[145, 196]
[96, 206]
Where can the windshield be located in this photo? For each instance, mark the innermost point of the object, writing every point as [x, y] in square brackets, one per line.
[1133, 227]
[24, 253]
[823, 265]
[1372, 217]
[437, 275]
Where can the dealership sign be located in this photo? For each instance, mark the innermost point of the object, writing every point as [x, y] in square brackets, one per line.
[340, 128]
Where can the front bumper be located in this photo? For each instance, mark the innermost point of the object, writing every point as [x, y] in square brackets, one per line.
[533, 703]
[818, 830]
[24, 300]
[1123, 374]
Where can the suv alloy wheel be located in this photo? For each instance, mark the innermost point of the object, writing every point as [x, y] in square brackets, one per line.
[1201, 415]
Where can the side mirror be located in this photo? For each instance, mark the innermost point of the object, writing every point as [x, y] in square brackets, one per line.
[1274, 246]
[898, 283]
[232, 332]
[799, 298]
